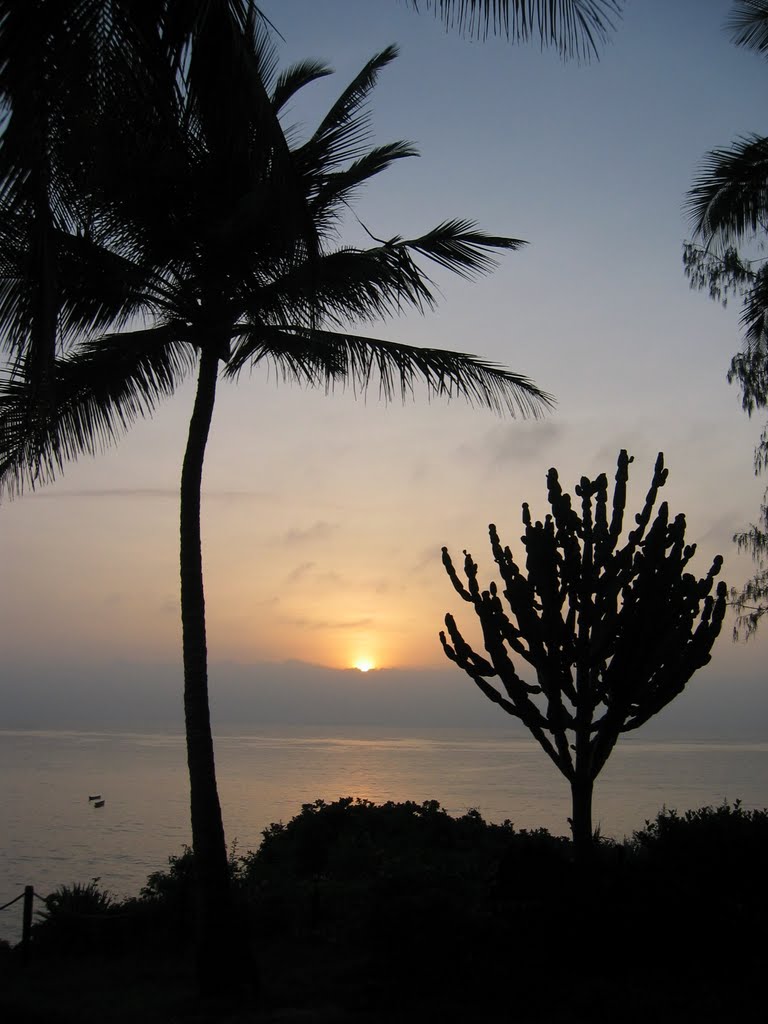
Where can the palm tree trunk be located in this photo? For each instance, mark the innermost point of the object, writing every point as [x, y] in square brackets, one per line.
[213, 912]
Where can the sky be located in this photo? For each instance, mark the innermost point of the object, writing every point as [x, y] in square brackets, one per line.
[324, 515]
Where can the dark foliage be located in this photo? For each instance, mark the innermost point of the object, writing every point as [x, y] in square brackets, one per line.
[704, 848]
[77, 918]
[728, 205]
[404, 909]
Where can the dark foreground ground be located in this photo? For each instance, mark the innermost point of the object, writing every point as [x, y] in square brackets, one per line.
[354, 912]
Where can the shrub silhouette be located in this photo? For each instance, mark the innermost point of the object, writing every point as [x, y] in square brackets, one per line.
[719, 850]
[76, 918]
[402, 908]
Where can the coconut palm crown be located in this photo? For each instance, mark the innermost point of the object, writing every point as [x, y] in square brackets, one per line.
[224, 246]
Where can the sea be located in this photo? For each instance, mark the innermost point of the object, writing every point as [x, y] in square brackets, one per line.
[51, 834]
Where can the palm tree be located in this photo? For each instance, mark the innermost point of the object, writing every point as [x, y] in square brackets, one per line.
[728, 205]
[223, 237]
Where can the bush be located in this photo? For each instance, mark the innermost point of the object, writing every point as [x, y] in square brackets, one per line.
[77, 918]
[718, 851]
[353, 903]
[712, 831]
[355, 839]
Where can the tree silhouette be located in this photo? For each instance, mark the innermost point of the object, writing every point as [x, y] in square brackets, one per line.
[728, 204]
[156, 182]
[613, 632]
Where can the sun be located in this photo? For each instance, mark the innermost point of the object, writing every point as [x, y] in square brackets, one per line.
[364, 665]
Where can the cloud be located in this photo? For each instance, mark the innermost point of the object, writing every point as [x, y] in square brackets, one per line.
[381, 586]
[319, 530]
[635, 442]
[145, 493]
[112, 492]
[428, 560]
[145, 695]
[307, 573]
[308, 623]
[299, 572]
[513, 442]
[719, 535]
[331, 576]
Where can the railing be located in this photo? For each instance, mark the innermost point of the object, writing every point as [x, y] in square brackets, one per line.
[28, 895]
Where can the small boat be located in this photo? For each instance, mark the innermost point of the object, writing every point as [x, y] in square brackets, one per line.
[98, 803]
[97, 797]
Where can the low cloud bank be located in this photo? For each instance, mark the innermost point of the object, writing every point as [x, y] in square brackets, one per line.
[148, 696]
[137, 695]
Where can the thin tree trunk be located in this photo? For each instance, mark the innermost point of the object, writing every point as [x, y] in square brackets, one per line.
[215, 938]
[582, 780]
[581, 815]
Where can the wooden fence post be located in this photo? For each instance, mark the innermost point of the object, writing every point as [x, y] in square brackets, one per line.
[26, 921]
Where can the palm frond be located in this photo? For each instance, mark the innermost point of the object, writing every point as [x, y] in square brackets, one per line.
[729, 199]
[32, 182]
[342, 286]
[458, 246]
[344, 129]
[575, 28]
[96, 289]
[228, 78]
[290, 81]
[364, 285]
[183, 22]
[62, 68]
[748, 24]
[328, 358]
[98, 393]
[338, 188]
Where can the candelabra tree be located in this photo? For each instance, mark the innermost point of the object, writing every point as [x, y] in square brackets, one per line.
[613, 631]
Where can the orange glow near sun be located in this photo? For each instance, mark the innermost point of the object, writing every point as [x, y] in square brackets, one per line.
[364, 664]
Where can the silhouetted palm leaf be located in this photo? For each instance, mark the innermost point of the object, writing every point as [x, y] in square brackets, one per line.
[58, 80]
[729, 198]
[370, 284]
[334, 190]
[98, 393]
[574, 27]
[748, 22]
[293, 79]
[327, 358]
[343, 132]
